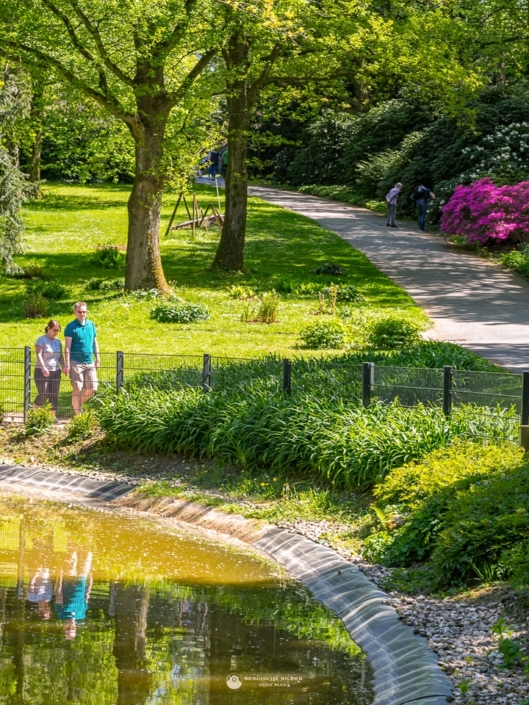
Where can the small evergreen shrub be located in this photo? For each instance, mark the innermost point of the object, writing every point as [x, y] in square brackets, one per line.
[175, 311]
[52, 290]
[390, 333]
[107, 256]
[82, 426]
[324, 335]
[96, 284]
[36, 306]
[38, 420]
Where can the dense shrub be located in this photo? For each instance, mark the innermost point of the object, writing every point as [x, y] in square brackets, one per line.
[389, 333]
[517, 260]
[82, 426]
[316, 161]
[107, 256]
[483, 212]
[52, 290]
[324, 335]
[175, 311]
[465, 508]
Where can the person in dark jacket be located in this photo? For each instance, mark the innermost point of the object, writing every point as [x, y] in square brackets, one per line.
[422, 196]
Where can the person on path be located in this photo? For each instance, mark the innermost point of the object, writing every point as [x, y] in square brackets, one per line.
[213, 158]
[391, 200]
[422, 196]
[81, 347]
[224, 163]
[48, 367]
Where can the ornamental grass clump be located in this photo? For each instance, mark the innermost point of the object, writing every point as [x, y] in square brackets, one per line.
[317, 434]
[483, 212]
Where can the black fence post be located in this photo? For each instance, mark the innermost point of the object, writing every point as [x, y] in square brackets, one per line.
[447, 389]
[27, 380]
[120, 366]
[206, 374]
[524, 421]
[368, 382]
[287, 376]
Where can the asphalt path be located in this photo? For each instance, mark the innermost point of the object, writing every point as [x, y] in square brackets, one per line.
[470, 301]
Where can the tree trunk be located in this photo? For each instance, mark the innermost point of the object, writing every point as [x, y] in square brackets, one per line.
[230, 252]
[36, 118]
[144, 263]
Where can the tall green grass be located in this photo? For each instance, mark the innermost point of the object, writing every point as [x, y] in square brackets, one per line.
[309, 432]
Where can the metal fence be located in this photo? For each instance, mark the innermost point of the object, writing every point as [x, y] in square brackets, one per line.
[445, 387]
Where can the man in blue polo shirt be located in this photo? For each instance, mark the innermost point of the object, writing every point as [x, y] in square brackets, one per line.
[80, 348]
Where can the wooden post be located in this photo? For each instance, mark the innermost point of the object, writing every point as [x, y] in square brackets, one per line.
[173, 216]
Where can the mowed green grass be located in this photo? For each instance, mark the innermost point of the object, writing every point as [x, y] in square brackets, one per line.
[66, 225]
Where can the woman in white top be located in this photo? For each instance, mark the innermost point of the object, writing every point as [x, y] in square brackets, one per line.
[49, 364]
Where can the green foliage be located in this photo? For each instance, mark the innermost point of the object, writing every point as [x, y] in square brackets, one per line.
[31, 271]
[345, 194]
[466, 510]
[96, 284]
[237, 291]
[107, 256]
[517, 260]
[330, 269]
[324, 335]
[268, 308]
[38, 420]
[52, 290]
[14, 189]
[348, 293]
[36, 306]
[82, 426]
[389, 333]
[176, 311]
[316, 432]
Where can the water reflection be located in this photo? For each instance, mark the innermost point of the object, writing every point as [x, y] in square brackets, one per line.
[101, 609]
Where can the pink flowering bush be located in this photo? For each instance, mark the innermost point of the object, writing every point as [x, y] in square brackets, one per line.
[483, 211]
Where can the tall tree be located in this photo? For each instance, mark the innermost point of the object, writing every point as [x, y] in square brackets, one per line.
[273, 47]
[14, 104]
[139, 60]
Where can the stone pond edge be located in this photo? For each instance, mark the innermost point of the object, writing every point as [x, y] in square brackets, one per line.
[405, 670]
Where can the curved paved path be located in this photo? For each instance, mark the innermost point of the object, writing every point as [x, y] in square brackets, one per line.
[471, 301]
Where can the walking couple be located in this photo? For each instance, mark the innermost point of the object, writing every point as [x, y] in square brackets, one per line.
[80, 349]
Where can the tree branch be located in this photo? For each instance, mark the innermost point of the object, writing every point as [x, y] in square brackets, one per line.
[45, 61]
[96, 36]
[164, 48]
[192, 75]
[262, 79]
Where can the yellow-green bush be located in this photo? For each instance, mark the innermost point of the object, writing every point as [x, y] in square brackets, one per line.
[464, 508]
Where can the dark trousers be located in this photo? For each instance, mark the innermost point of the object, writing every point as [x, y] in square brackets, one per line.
[392, 212]
[422, 207]
[47, 387]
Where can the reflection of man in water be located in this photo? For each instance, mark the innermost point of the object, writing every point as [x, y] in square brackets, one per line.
[40, 591]
[73, 593]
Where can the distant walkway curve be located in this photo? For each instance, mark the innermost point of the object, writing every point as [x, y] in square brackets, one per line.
[471, 301]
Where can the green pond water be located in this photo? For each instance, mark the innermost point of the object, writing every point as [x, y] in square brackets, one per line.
[98, 607]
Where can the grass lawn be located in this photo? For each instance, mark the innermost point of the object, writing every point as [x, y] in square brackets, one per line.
[66, 225]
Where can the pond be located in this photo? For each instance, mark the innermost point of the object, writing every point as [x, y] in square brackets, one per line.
[100, 607]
